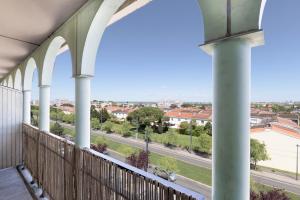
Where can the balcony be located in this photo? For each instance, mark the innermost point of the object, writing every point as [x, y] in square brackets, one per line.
[64, 171]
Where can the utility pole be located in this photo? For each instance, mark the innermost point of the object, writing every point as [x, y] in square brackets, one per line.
[297, 160]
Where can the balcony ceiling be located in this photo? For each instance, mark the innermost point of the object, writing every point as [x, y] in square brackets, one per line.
[25, 24]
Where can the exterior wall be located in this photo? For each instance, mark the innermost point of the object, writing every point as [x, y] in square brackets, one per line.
[10, 127]
[281, 149]
[177, 121]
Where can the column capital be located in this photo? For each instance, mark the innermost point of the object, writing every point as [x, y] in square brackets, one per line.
[255, 38]
[83, 76]
[44, 86]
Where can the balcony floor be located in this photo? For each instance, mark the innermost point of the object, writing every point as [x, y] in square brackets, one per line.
[12, 186]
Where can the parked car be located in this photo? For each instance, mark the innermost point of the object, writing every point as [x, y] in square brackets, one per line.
[167, 175]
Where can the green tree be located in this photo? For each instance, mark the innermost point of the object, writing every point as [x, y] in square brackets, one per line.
[258, 152]
[146, 116]
[203, 144]
[125, 129]
[95, 124]
[107, 126]
[103, 115]
[171, 138]
[57, 129]
[183, 128]
[208, 128]
[94, 112]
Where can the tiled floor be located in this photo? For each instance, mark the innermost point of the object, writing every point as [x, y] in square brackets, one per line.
[12, 186]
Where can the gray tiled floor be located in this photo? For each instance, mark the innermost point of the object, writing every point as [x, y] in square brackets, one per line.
[12, 186]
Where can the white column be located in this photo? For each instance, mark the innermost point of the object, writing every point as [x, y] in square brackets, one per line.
[231, 119]
[26, 106]
[44, 108]
[82, 108]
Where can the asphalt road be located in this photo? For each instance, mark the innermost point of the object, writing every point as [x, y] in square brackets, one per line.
[269, 179]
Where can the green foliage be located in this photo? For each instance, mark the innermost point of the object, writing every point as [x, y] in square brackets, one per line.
[107, 126]
[57, 129]
[95, 124]
[101, 115]
[125, 129]
[68, 118]
[169, 164]
[171, 138]
[148, 133]
[258, 152]
[185, 128]
[203, 144]
[146, 116]
[208, 128]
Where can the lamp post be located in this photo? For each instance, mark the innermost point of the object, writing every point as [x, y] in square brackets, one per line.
[297, 160]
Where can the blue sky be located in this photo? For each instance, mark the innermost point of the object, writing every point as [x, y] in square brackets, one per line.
[153, 55]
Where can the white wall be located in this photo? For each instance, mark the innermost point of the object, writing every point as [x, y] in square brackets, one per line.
[10, 127]
[281, 149]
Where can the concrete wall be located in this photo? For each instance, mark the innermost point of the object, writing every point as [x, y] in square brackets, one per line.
[10, 127]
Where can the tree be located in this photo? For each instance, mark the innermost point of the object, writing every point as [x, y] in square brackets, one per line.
[57, 129]
[208, 128]
[103, 115]
[107, 126]
[125, 129]
[94, 112]
[146, 116]
[183, 128]
[95, 124]
[274, 194]
[171, 138]
[258, 152]
[203, 144]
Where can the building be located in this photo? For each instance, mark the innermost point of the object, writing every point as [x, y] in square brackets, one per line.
[177, 116]
[121, 114]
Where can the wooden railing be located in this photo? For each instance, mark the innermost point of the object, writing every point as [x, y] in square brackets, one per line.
[64, 171]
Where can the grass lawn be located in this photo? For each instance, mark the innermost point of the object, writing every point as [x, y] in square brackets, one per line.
[200, 174]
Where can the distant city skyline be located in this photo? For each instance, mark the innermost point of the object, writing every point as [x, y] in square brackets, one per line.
[153, 55]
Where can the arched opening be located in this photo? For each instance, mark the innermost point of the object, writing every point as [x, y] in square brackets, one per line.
[56, 74]
[18, 80]
[10, 82]
[30, 93]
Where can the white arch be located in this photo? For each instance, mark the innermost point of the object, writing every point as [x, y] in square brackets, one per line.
[96, 30]
[10, 82]
[28, 74]
[49, 60]
[18, 80]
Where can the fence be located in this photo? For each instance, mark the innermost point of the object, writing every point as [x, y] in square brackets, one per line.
[67, 172]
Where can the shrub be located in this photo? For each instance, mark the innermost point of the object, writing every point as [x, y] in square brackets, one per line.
[171, 138]
[57, 129]
[203, 144]
[95, 124]
[139, 160]
[107, 126]
[125, 129]
[275, 194]
[99, 147]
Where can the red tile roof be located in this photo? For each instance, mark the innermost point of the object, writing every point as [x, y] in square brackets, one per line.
[188, 115]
